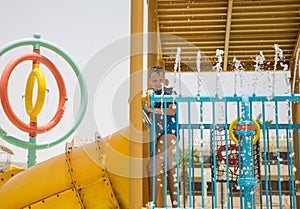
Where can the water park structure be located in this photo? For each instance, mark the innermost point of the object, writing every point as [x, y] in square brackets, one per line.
[232, 151]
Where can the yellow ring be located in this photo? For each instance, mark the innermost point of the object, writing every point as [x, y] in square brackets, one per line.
[233, 125]
[36, 74]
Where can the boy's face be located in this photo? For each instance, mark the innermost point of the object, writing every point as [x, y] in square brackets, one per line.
[156, 79]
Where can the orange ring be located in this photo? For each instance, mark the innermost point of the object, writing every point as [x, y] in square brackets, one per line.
[31, 128]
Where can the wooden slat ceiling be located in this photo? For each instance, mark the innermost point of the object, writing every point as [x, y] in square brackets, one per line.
[242, 28]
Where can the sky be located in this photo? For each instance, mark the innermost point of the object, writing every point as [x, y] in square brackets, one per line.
[82, 29]
[96, 35]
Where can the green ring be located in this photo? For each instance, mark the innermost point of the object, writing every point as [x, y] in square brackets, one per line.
[83, 92]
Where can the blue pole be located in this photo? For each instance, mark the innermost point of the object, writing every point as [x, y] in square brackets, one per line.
[201, 155]
[239, 154]
[190, 155]
[165, 155]
[227, 167]
[215, 197]
[266, 167]
[245, 131]
[290, 159]
[153, 142]
[177, 159]
[278, 155]
[253, 159]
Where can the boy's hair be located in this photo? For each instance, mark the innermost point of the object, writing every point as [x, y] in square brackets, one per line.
[155, 69]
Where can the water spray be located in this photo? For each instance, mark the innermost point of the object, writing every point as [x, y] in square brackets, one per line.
[198, 64]
[177, 69]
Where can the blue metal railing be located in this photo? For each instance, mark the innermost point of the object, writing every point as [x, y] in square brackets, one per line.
[252, 191]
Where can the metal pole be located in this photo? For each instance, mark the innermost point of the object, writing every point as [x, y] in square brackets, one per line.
[296, 120]
[136, 125]
[152, 33]
[296, 147]
[246, 130]
[227, 34]
[31, 158]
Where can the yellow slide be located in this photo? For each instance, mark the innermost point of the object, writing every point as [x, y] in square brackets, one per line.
[93, 176]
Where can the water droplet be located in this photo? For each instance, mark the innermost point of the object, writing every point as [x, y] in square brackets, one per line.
[269, 98]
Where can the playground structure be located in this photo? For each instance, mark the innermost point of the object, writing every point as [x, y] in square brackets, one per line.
[89, 177]
[71, 178]
[235, 27]
[37, 75]
[248, 183]
[241, 159]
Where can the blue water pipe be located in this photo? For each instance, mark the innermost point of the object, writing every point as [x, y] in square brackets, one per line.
[247, 182]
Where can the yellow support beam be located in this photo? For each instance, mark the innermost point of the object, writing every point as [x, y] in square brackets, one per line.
[152, 30]
[227, 34]
[296, 111]
[297, 45]
[136, 124]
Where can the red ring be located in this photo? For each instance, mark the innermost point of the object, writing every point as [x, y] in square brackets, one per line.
[5, 100]
[245, 127]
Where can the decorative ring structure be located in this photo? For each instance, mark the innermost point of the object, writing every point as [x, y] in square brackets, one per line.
[232, 127]
[35, 75]
[5, 100]
[83, 91]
